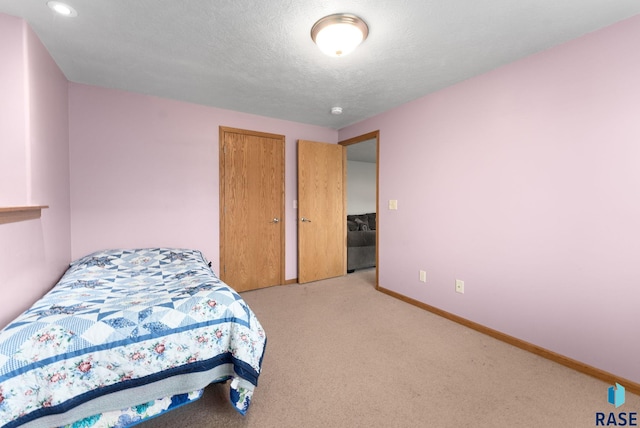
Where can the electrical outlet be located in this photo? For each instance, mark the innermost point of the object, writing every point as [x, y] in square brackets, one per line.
[393, 204]
[459, 286]
[423, 276]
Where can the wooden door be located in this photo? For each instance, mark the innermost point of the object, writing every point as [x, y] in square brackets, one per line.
[251, 209]
[321, 211]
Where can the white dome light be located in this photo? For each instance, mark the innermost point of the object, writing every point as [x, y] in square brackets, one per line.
[339, 34]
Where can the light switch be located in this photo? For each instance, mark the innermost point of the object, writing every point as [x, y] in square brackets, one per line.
[393, 204]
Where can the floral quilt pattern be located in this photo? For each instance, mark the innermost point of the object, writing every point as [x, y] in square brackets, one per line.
[123, 319]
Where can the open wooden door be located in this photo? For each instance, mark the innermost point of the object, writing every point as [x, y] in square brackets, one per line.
[251, 209]
[321, 211]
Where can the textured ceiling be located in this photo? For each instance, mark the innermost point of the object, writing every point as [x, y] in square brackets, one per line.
[257, 56]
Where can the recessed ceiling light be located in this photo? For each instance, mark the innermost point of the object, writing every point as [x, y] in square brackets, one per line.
[62, 8]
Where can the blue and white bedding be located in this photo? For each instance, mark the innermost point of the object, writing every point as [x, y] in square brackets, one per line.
[135, 414]
[121, 329]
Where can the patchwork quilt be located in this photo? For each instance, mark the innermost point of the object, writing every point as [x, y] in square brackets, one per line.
[122, 328]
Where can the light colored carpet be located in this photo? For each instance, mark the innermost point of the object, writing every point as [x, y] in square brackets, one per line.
[341, 354]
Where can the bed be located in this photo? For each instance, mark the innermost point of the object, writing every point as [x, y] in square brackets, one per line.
[126, 335]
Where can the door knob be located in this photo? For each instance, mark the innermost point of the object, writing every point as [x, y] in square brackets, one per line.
[305, 220]
[275, 220]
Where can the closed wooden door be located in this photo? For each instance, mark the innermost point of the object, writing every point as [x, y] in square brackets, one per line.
[321, 211]
[251, 209]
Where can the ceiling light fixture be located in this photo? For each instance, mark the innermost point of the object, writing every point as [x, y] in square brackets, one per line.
[336, 110]
[339, 34]
[62, 8]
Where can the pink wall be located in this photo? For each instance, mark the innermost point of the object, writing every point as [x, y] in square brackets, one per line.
[524, 183]
[34, 167]
[144, 171]
[13, 112]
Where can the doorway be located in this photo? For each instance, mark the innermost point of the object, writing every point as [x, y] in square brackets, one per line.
[251, 209]
[366, 149]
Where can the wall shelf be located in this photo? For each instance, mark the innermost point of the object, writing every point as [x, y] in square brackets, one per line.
[13, 214]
